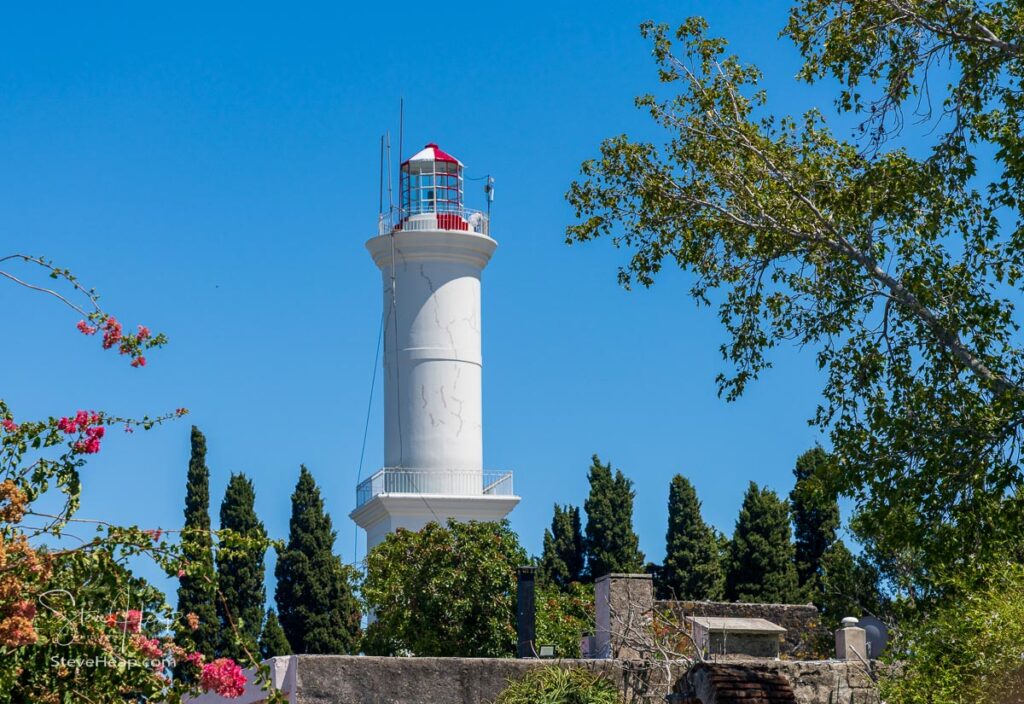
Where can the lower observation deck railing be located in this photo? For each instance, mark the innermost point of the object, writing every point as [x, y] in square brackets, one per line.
[446, 482]
[456, 219]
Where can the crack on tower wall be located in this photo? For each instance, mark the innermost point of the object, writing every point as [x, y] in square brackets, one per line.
[458, 415]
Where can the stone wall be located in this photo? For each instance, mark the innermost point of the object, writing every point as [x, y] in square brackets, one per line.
[339, 679]
[805, 637]
[826, 681]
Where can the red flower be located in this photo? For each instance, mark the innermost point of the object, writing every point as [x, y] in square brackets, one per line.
[85, 328]
[139, 361]
[143, 333]
[9, 425]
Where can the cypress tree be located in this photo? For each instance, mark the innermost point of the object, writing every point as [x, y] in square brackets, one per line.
[563, 558]
[272, 640]
[762, 567]
[197, 590]
[815, 514]
[848, 586]
[692, 569]
[240, 570]
[318, 609]
[611, 544]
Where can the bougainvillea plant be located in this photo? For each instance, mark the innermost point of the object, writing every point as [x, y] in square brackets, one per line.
[75, 624]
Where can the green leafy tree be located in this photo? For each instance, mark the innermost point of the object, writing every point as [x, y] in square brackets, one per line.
[273, 641]
[562, 561]
[611, 544]
[761, 560]
[899, 269]
[692, 569]
[315, 594]
[564, 616]
[445, 591]
[240, 570]
[967, 651]
[815, 514]
[197, 592]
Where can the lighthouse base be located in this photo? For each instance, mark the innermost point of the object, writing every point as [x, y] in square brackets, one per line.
[386, 513]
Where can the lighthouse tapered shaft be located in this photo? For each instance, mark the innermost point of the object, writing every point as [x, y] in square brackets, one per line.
[433, 419]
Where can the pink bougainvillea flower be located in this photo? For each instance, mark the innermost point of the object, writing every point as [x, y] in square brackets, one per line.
[111, 332]
[149, 647]
[143, 333]
[126, 621]
[224, 677]
[139, 361]
[85, 328]
[9, 425]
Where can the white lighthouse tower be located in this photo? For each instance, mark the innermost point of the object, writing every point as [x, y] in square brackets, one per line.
[430, 254]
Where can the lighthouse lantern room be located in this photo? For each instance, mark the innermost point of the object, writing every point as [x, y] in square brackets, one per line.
[431, 252]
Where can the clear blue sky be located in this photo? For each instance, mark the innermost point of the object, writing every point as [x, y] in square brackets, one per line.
[213, 171]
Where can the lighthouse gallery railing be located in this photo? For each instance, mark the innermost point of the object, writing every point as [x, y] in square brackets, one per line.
[451, 482]
[421, 219]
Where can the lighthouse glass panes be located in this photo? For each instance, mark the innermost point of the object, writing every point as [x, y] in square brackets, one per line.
[431, 187]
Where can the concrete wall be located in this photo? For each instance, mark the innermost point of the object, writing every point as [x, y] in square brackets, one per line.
[805, 637]
[336, 679]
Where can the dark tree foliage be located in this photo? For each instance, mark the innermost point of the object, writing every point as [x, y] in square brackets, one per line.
[562, 561]
[273, 641]
[692, 569]
[240, 569]
[445, 591]
[197, 592]
[761, 561]
[848, 585]
[315, 594]
[815, 513]
[611, 544]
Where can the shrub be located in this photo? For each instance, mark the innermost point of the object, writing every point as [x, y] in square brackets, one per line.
[445, 591]
[555, 685]
[563, 617]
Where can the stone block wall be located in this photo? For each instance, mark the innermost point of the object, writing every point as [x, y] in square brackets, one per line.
[340, 679]
[805, 637]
